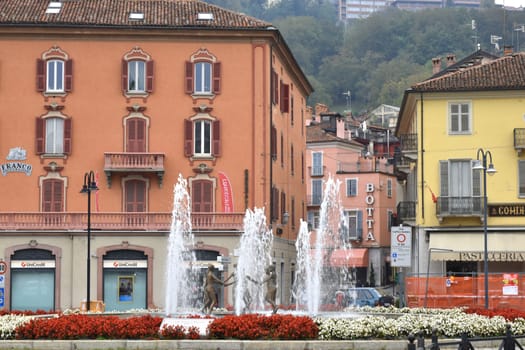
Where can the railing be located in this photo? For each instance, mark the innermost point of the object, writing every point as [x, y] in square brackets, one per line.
[406, 211]
[316, 170]
[408, 142]
[507, 342]
[519, 138]
[116, 221]
[315, 199]
[118, 161]
[366, 166]
[459, 206]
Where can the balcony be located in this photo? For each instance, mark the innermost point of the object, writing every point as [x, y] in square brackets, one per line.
[129, 162]
[519, 139]
[372, 165]
[459, 207]
[409, 145]
[314, 199]
[406, 211]
[116, 221]
[316, 171]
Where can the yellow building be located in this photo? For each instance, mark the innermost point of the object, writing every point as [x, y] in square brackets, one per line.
[138, 92]
[473, 110]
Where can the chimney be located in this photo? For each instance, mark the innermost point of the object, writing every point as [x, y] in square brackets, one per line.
[436, 65]
[451, 59]
[340, 127]
[507, 50]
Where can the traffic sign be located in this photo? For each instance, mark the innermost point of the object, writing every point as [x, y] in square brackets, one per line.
[3, 267]
[401, 246]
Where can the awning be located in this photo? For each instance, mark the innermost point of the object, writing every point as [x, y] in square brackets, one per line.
[469, 246]
[356, 257]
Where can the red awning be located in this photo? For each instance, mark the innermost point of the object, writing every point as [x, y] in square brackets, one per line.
[357, 257]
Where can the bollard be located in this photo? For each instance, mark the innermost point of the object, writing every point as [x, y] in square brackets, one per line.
[508, 343]
[434, 345]
[420, 341]
[411, 345]
[465, 343]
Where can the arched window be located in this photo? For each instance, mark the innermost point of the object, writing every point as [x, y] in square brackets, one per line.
[203, 74]
[202, 137]
[54, 72]
[137, 73]
[53, 135]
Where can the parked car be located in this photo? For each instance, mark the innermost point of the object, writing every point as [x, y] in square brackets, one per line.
[367, 296]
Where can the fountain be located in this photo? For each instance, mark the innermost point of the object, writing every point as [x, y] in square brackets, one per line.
[313, 249]
[254, 256]
[179, 274]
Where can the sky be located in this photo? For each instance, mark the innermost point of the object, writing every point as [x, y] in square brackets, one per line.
[511, 3]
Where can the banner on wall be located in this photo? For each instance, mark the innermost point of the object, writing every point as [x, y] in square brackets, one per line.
[510, 284]
[227, 195]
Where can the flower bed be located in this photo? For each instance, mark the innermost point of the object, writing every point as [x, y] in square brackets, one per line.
[447, 322]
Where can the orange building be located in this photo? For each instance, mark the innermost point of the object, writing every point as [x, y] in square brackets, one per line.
[138, 92]
[367, 191]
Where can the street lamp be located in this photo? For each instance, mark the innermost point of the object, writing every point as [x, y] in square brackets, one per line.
[481, 164]
[89, 186]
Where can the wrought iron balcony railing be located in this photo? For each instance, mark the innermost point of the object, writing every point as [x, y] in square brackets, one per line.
[459, 206]
[408, 143]
[406, 211]
[116, 221]
[315, 199]
[519, 139]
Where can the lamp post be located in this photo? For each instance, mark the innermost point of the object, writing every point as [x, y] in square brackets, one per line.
[481, 164]
[89, 186]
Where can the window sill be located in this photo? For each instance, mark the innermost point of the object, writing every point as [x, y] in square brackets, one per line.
[55, 93]
[53, 155]
[209, 96]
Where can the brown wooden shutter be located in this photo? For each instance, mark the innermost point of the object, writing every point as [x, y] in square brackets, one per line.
[275, 203]
[275, 87]
[188, 138]
[217, 78]
[149, 76]
[135, 196]
[40, 135]
[285, 98]
[282, 149]
[67, 136]
[216, 138]
[292, 165]
[68, 76]
[188, 74]
[136, 135]
[124, 75]
[283, 204]
[202, 196]
[52, 195]
[273, 143]
[40, 75]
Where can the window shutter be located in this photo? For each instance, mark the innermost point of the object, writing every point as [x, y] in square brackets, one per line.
[282, 149]
[283, 204]
[216, 138]
[52, 196]
[188, 83]
[207, 196]
[68, 76]
[124, 75]
[67, 136]
[443, 174]
[188, 138]
[275, 87]
[476, 182]
[58, 195]
[40, 75]
[359, 224]
[285, 98]
[149, 76]
[275, 203]
[273, 143]
[292, 165]
[141, 135]
[217, 78]
[40, 135]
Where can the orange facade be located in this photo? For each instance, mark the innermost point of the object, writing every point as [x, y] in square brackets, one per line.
[139, 105]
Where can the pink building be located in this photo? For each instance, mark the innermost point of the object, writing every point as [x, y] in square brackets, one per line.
[367, 193]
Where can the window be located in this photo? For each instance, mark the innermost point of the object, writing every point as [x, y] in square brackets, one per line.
[202, 138]
[275, 203]
[292, 165]
[137, 73]
[353, 225]
[460, 187]
[53, 136]
[317, 164]
[389, 188]
[521, 176]
[274, 87]
[390, 216]
[313, 219]
[273, 142]
[459, 118]
[351, 187]
[317, 192]
[285, 97]
[203, 74]
[136, 134]
[52, 195]
[202, 196]
[54, 72]
[135, 195]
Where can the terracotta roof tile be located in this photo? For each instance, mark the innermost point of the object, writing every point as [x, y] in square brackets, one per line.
[504, 73]
[157, 13]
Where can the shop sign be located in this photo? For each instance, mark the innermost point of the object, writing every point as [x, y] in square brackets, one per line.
[123, 264]
[32, 264]
[508, 209]
[16, 154]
